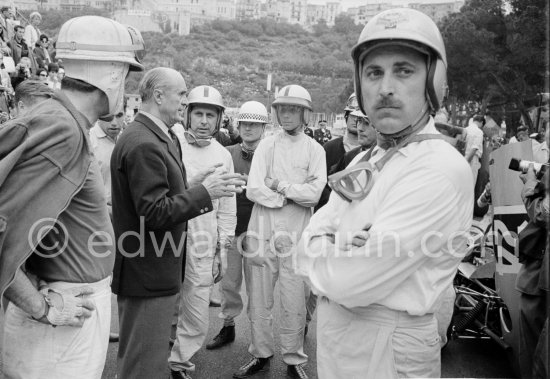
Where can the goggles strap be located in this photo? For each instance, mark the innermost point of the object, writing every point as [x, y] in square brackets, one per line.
[193, 140]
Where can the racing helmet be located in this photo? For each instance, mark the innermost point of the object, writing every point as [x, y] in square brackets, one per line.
[253, 111]
[413, 29]
[205, 95]
[100, 52]
[293, 95]
[351, 104]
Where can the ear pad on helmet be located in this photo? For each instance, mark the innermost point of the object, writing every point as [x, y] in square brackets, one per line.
[436, 84]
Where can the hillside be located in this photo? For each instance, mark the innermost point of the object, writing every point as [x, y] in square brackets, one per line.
[236, 58]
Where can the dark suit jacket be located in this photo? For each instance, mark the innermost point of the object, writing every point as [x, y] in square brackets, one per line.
[151, 205]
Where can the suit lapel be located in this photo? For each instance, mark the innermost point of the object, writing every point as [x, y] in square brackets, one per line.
[150, 124]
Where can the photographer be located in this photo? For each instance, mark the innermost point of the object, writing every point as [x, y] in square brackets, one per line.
[532, 281]
[22, 72]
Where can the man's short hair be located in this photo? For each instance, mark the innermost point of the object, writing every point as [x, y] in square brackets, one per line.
[77, 85]
[152, 80]
[320, 121]
[4, 8]
[17, 27]
[29, 91]
[522, 128]
[479, 118]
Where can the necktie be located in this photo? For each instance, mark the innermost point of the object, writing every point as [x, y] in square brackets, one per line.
[176, 141]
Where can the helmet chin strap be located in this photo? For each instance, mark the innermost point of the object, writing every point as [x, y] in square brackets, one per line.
[293, 132]
[192, 139]
[388, 140]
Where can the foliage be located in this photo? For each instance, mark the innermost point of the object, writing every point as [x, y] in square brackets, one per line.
[497, 58]
[496, 55]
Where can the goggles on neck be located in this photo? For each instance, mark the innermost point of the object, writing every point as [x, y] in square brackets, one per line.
[353, 183]
[199, 142]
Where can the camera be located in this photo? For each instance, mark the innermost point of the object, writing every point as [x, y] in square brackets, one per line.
[523, 165]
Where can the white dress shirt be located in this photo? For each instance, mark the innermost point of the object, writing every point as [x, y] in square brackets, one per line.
[420, 208]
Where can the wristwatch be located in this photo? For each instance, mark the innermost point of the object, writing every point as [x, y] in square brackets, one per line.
[47, 305]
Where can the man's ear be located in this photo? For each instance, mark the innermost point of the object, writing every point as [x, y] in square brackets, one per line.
[158, 94]
[20, 105]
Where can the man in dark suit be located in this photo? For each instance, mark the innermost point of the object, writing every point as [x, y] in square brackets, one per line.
[152, 201]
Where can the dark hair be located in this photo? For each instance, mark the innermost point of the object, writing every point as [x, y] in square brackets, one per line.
[31, 90]
[4, 8]
[479, 118]
[41, 69]
[17, 27]
[42, 36]
[72, 84]
[53, 67]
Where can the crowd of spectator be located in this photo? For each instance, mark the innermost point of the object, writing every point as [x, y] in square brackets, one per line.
[25, 53]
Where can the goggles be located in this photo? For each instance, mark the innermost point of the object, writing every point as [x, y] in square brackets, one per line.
[353, 183]
[200, 142]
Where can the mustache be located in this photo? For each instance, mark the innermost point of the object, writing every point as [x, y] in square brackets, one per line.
[387, 102]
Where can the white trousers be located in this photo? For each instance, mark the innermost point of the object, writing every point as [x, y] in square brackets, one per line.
[260, 285]
[36, 350]
[232, 303]
[375, 342]
[193, 313]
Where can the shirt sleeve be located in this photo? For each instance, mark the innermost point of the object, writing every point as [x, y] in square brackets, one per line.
[413, 225]
[308, 194]
[227, 214]
[256, 190]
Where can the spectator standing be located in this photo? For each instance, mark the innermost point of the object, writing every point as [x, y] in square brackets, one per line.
[365, 252]
[18, 45]
[5, 23]
[209, 235]
[32, 33]
[251, 119]
[41, 52]
[57, 278]
[474, 144]
[322, 134]
[286, 179]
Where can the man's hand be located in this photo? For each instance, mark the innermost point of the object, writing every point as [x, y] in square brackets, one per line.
[271, 183]
[530, 175]
[223, 185]
[69, 307]
[201, 175]
[219, 265]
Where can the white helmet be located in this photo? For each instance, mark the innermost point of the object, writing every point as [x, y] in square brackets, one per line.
[100, 51]
[357, 113]
[351, 104]
[205, 95]
[253, 111]
[293, 95]
[411, 28]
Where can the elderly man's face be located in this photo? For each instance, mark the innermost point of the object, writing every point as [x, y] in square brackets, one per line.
[173, 99]
[393, 85]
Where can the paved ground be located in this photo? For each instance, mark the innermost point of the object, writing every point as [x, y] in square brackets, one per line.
[461, 358]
